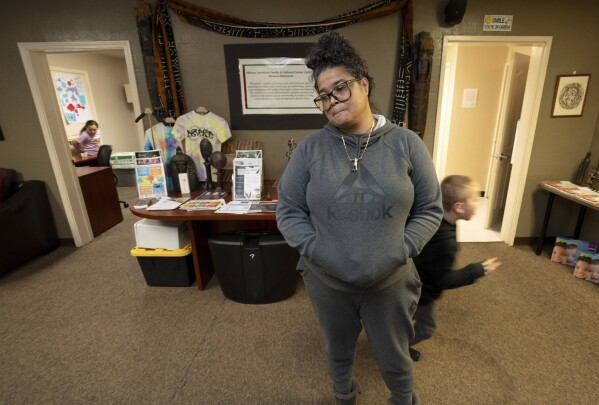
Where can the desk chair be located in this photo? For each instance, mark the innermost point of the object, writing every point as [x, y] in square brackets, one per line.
[104, 160]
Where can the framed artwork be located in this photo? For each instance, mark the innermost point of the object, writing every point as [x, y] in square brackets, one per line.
[570, 95]
[268, 89]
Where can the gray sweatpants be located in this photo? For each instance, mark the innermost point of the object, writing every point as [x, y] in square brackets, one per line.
[386, 316]
[425, 323]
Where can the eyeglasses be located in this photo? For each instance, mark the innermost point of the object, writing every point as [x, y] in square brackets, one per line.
[340, 92]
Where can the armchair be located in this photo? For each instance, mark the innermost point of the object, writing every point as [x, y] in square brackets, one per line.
[27, 227]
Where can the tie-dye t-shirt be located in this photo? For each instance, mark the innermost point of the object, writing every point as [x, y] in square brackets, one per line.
[193, 127]
[160, 137]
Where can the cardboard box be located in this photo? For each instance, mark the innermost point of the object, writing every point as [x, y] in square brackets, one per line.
[154, 234]
[587, 267]
[122, 160]
[166, 268]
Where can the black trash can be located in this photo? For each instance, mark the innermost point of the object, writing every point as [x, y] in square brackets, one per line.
[254, 267]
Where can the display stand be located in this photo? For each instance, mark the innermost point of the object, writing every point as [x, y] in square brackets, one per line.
[247, 175]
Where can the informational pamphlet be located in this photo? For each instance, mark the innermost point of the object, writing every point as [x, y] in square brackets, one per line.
[197, 205]
[581, 192]
[235, 207]
[212, 195]
[167, 203]
[143, 203]
[263, 206]
[150, 174]
[247, 175]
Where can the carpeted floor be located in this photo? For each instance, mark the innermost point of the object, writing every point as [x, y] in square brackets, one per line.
[81, 326]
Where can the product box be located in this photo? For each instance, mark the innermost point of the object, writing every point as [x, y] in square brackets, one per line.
[587, 267]
[166, 268]
[123, 167]
[154, 234]
[566, 250]
[122, 160]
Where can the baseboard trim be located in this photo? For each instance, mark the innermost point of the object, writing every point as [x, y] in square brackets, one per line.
[532, 240]
[66, 242]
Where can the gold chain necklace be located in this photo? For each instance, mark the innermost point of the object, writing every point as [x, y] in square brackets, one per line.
[358, 155]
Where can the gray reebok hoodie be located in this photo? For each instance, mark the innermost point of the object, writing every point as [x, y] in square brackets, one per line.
[357, 231]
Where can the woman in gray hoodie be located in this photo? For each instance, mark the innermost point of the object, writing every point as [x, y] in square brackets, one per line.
[359, 198]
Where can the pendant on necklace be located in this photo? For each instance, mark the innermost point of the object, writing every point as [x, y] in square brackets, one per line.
[355, 168]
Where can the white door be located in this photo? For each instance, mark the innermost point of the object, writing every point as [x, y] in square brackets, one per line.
[503, 145]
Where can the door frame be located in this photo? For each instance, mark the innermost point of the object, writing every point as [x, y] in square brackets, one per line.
[541, 46]
[38, 75]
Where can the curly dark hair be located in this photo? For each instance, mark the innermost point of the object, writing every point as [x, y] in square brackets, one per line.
[333, 50]
[89, 123]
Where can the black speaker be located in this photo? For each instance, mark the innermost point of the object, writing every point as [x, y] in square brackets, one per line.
[454, 11]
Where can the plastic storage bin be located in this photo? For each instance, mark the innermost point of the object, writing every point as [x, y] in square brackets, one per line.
[166, 268]
[155, 234]
[254, 268]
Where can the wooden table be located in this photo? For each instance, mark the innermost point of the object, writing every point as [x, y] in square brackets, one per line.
[100, 196]
[84, 161]
[203, 224]
[550, 186]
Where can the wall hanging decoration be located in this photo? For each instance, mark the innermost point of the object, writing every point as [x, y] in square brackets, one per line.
[143, 12]
[424, 46]
[168, 75]
[570, 94]
[236, 27]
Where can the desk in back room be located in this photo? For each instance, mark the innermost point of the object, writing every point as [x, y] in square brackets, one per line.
[85, 161]
[100, 196]
[584, 197]
[203, 224]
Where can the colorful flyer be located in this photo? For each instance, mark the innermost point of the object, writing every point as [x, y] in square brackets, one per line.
[150, 174]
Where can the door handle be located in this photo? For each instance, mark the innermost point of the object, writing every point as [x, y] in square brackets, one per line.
[500, 156]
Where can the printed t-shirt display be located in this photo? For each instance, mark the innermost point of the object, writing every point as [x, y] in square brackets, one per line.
[193, 127]
[160, 137]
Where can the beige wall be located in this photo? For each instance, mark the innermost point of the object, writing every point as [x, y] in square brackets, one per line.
[472, 130]
[107, 75]
[202, 63]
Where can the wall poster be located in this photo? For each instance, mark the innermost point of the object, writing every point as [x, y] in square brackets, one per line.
[74, 95]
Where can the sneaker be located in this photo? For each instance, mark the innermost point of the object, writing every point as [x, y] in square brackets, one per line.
[415, 354]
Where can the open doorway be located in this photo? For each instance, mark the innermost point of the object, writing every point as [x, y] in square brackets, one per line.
[37, 69]
[103, 76]
[478, 108]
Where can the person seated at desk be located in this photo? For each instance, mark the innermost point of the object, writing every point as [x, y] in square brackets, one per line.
[89, 139]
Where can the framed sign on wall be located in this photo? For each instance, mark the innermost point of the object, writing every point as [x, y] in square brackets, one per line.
[270, 88]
